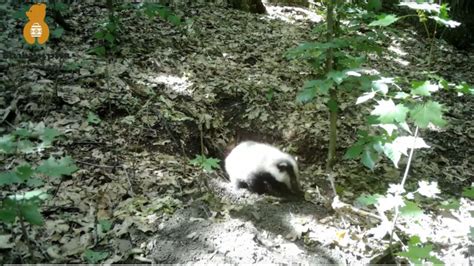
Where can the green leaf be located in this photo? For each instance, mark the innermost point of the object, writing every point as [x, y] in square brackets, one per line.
[24, 171]
[109, 37]
[416, 254]
[25, 146]
[58, 32]
[151, 9]
[389, 113]
[468, 192]
[99, 50]
[48, 135]
[21, 13]
[365, 97]
[464, 88]
[312, 88]
[34, 182]
[93, 118]
[57, 168]
[384, 20]
[369, 158]
[306, 95]
[430, 112]
[105, 225]
[427, 7]
[381, 85]
[99, 35]
[207, 164]
[393, 153]
[22, 132]
[7, 144]
[164, 13]
[8, 178]
[423, 88]
[367, 200]
[210, 164]
[401, 95]
[95, 256]
[451, 204]
[31, 213]
[175, 20]
[269, 94]
[72, 66]
[337, 76]
[449, 23]
[111, 27]
[435, 260]
[374, 5]
[443, 11]
[354, 151]
[410, 209]
[7, 215]
[8, 212]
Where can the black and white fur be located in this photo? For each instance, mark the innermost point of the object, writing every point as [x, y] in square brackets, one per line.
[262, 168]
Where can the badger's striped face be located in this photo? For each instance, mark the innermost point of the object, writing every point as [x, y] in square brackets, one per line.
[289, 171]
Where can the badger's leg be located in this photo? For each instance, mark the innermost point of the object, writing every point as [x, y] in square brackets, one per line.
[264, 182]
[240, 184]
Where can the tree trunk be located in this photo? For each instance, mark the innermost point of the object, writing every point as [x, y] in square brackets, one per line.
[462, 36]
[300, 3]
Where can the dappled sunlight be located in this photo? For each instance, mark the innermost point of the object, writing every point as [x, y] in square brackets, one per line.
[398, 54]
[450, 227]
[179, 85]
[291, 14]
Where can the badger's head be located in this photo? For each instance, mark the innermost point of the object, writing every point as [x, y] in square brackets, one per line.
[286, 171]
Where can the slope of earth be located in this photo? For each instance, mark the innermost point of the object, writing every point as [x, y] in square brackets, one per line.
[133, 121]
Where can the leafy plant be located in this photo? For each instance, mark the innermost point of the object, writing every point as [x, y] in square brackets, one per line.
[107, 35]
[399, 203]
[336, 65]
[152, 10]
[93, 118]
[95, 256]
[400, 108]
[20, 203]
[105, 225]
[109, 32]
[207, 164]
[418, 253]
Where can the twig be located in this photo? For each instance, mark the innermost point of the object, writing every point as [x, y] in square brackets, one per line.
[402, 184]
[132, 193]
[96, 220]
[332, 181]
[337, 204]
[24, 232]
[86, 143]
[57, 189]
[98, 165]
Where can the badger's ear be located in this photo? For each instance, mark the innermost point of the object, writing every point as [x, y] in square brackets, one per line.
[283, 166]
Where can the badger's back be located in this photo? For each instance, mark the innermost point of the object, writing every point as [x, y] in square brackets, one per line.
[252, 165]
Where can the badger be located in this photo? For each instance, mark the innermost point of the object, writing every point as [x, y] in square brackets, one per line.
[262, 168]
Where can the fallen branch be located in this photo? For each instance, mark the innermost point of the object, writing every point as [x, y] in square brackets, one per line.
[337, 205]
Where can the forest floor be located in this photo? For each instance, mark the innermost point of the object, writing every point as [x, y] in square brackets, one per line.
[133, 122]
